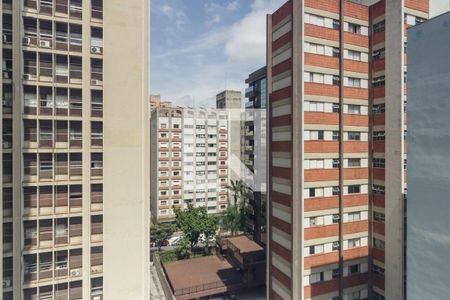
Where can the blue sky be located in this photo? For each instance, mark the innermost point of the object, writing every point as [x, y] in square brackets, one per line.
[200, 47]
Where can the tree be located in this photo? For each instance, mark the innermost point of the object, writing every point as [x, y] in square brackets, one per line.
[235, 219]
[183, 250]
[231, 220]
[195, 221]
[160, 233]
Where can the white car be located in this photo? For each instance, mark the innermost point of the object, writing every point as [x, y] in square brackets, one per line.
[173, 241]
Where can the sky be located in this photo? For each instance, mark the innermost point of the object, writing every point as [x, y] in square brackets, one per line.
[201, 47]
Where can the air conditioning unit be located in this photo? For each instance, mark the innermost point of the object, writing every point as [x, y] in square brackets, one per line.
[96, 50]
[28, 77]
[6, 145]
[5, 75]
[6, 283]
[44, 44]
[74, 273]
[5, 38]
[26, 41]
[95, 82]
[97, 298]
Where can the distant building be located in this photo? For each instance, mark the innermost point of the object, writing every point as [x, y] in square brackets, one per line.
[231, 101]
[428, 221]
[189, 160]
[228, 100]
[155, 101]
[253, 149]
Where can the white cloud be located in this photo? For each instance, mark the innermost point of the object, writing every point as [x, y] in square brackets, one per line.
[175, 15]
[214, 20]
[233, 5]
[247, 41]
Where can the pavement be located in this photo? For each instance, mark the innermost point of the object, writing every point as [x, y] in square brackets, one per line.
[156, 291]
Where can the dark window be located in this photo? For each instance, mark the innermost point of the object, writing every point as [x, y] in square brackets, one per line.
[354, 189]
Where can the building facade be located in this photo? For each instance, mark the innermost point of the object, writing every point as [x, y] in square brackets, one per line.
[337, 152]
[54, 76]
[190, 150]
[253, 151]
[428, 161]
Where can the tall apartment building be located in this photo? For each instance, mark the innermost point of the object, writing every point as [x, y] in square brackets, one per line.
[190, 150]
[335, 165]
[155, 101]
[231, 101]
[253, 150]
[55, 77]
[428, 160]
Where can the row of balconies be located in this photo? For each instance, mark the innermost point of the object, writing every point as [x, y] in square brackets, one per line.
[56, 166]
[48, 102]
[48, 233]
[60, 265]
[70, 290]
[62, 69]
[64, 8]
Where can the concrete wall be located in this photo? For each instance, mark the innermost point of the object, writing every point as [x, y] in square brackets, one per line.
[428, 240]
[126, 150]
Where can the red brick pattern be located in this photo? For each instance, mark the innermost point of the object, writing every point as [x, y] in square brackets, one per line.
[422, 5]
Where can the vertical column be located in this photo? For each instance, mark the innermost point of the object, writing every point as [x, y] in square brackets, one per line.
[86, 147]
[394, 149]
[17, 150]
[126, 150]
[297, 149]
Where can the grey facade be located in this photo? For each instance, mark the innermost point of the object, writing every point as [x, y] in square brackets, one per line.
[428, 222]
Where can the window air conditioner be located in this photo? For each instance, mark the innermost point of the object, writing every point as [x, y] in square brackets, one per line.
[95, 82]
[5, 75]
[5, 38]
[6, 283]
[75, 273]
[96, 50]
[26, 41]
[44, 44]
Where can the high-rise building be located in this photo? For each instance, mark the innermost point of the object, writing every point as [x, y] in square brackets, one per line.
[253, 150]
[231, 101]
[66, 66]
[155, 101]
[337, 153]
[428, 160]
[189, 161]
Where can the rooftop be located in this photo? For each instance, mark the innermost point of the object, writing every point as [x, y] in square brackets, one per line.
[206, 275]
[244, 244]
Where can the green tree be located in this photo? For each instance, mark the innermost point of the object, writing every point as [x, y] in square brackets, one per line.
[195, 221]
[183, 250]
[160, 233]
[231, 220]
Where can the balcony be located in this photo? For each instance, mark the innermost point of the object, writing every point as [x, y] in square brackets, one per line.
[96, 165]
[250, 92]
[97, 228]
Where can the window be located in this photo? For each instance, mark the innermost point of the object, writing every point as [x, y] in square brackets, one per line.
[336, 163]
[336, 52]
[378, 135]
[353, 243]
[353, 82]
[336, 107]
[378, 54]
[354, 55]
[378, 163]
[377, 216]
[312, 192]
[379, 244]
[354, 162]
[354, 216]
[336, 80]
[378, 189]
[336, 24]
[353, 269]
[354, 28]
[354, 189]
[354, 295]
[378, 270]
[335, 136]
[336, 191]
[336, 218]
[335, 273]
[379, 27]
[378, 81]
[354, 109]
[354, 136]
[335, 246]
[378, 108]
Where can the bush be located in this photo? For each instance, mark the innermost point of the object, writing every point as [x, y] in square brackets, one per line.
[168, 256]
